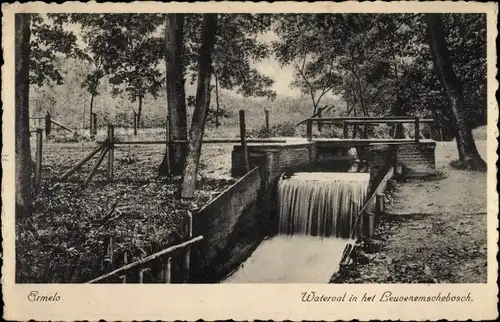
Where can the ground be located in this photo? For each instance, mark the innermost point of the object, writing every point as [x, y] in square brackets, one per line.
[436, 232]
[64, 239]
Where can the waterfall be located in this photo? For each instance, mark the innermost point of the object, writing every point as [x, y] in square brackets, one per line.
[321, 203]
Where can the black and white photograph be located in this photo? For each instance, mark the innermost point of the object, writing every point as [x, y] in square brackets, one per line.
[336, 148]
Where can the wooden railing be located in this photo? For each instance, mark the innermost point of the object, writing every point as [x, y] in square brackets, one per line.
[159, 264]
[346, 121]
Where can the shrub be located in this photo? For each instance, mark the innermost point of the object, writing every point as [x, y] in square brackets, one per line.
[277, 130]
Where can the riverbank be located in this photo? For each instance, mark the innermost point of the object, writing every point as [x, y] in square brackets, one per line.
[436, 230]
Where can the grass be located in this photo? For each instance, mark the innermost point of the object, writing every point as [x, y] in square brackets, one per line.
[64, 239]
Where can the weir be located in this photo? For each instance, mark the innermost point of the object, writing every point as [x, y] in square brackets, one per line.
[278, 240]
[317, 215]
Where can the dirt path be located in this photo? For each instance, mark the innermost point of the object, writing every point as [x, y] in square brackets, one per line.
[438, 233]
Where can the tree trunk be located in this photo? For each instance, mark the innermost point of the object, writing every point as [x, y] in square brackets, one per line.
[22, 142]
[176, 97]
[216, 101]
[139, 111]
[467, 151]
[209, 32]
[91, 111]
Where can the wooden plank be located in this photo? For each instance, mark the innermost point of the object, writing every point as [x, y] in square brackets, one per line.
[83, 161]
[367, 118]
[62, 126]
[395, 121]
[243, 141]
[208, 141]
[147, 259]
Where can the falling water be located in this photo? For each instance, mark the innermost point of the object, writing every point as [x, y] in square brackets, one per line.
[321, 203]
[317, 213]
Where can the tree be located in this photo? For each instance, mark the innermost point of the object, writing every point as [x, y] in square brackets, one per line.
[22, 144]
[208, 39]
[173, 161]
[236, 47]
[467, 151]
[91, 84]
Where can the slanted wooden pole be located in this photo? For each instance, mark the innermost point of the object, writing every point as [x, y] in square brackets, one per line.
[267, 123]
[244, 140]
[111, 134]
[417, 129]
[48, 124]
[309, 130]
[95, 167]
[188, 229]
[83, 161]
[62, 126]
[38, 169]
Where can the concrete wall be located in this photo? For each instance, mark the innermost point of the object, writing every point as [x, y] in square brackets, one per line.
[232, 227]
[273, 159]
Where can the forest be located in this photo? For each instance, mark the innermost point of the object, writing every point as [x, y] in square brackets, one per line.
[197, 69]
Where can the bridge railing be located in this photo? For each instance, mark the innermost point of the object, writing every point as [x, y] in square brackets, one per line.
[346, 121]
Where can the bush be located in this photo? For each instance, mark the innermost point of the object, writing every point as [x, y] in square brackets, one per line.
[277, 130]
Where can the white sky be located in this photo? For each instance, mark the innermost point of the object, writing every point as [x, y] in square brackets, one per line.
[270, 67]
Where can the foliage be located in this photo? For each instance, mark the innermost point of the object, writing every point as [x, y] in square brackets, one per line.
[237, 48]
[383, 62]
[47, 40]
[285, 129]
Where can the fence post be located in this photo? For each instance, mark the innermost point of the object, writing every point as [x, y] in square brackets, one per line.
[111, 133]
[135, 123]
[368, 227]
[320, 112]
[38, 170]
[379, 203]
[267, 123]
[417, 129]
[48, 124]
[345, 128]
[188, 230]
[244, 140]
[309, 130]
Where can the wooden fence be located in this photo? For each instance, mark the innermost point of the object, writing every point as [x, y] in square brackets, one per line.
[347, 121]
[107, 147]
[158, 266]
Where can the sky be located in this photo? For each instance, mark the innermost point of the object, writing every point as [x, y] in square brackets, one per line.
[270, 67]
